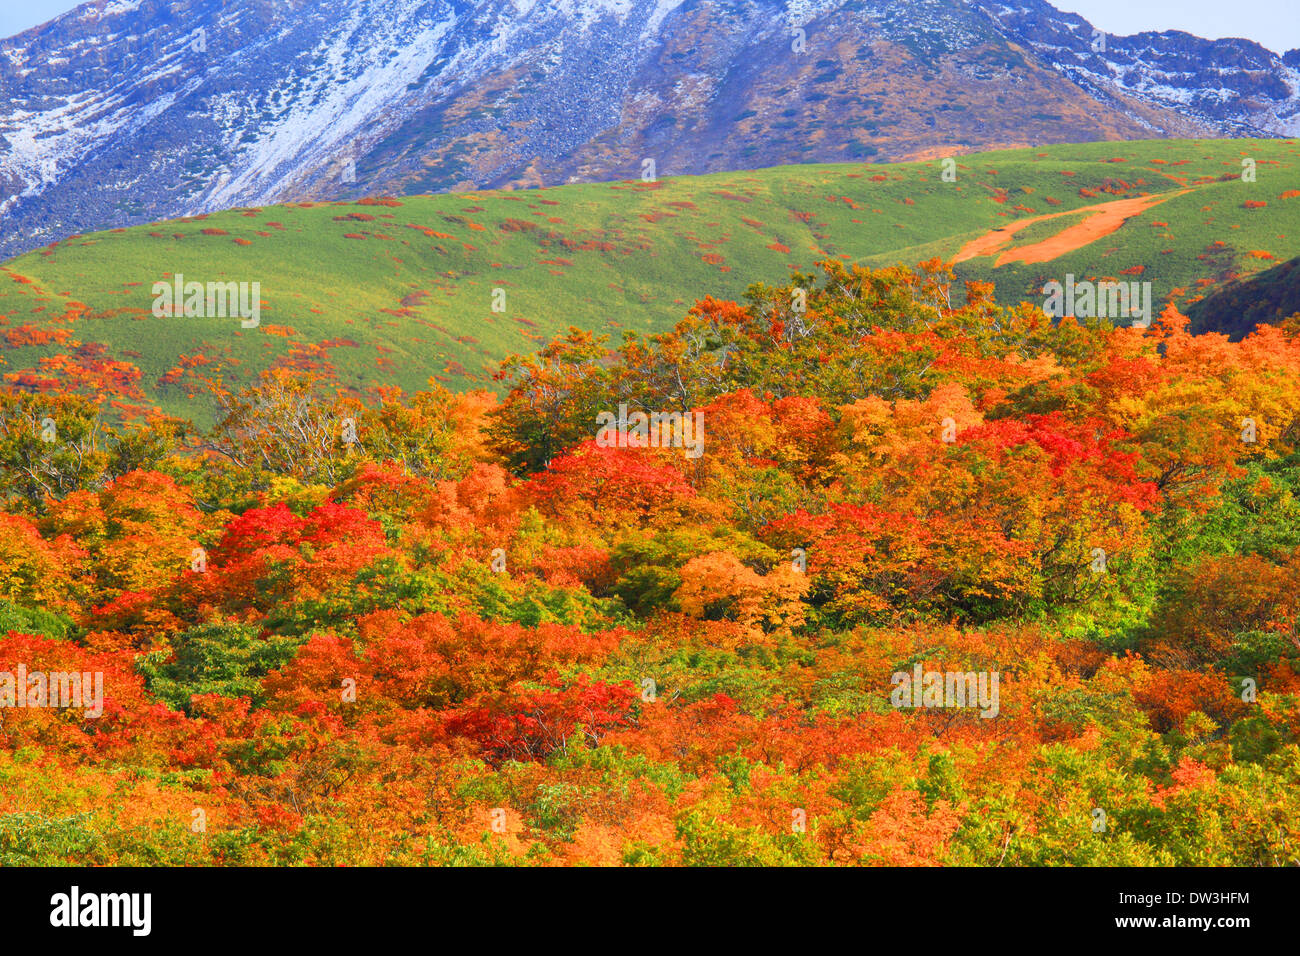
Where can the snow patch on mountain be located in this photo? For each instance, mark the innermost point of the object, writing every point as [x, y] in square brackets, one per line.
[321, 125]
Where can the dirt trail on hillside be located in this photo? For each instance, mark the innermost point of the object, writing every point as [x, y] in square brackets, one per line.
[1102, 219]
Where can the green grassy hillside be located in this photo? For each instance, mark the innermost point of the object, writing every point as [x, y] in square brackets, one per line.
[397, 291]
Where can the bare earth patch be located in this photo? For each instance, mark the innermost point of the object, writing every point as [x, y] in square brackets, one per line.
[1102, 219]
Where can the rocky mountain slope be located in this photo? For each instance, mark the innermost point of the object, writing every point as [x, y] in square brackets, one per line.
[130, 111]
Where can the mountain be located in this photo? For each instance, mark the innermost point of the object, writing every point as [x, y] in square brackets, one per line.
[129, 111]
[1234, 87]
[1268, 297]
[394, 291]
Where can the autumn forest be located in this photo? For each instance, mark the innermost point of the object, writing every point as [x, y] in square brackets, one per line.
[457, 628]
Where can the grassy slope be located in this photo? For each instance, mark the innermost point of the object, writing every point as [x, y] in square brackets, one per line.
[399, 304]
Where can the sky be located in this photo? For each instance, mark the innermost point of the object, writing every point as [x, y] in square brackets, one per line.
[1274, 24]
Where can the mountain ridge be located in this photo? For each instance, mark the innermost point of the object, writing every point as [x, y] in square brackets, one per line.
[123, 112]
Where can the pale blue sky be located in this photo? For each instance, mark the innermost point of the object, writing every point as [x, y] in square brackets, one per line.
[1272, 23]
